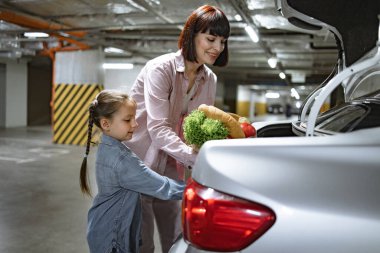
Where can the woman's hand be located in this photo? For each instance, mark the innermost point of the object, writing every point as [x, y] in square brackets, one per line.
[195, 148]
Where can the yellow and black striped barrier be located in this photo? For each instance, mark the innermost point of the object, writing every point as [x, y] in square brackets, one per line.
[70, 112]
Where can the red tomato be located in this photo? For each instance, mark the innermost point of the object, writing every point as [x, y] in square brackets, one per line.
[248, 129]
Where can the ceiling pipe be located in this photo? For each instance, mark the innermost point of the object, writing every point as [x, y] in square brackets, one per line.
[32, 22]
[35, 23]
[79, 44]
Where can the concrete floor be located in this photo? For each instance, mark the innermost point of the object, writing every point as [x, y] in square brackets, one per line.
[41, 206]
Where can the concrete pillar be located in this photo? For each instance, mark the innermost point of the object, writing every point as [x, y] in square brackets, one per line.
[78, 77]
[243, 100]
[252, 109]
[2, 94]
[260, 104]
[13, 94]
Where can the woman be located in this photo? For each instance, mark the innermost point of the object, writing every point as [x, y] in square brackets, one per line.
[166, 90]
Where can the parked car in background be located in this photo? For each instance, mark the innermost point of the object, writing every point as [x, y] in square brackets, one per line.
[310, 185]
[275, 109]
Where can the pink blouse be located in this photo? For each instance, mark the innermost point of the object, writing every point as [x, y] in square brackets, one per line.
[159, 91]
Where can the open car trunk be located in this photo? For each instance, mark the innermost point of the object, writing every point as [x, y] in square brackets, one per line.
[355, 26]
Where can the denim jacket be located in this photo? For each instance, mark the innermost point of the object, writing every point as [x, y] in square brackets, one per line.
[114, 219]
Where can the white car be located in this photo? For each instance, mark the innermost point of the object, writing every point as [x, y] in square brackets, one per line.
[298, 187]
[291, 194]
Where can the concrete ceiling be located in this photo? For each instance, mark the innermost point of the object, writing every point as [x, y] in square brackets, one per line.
[147, 28]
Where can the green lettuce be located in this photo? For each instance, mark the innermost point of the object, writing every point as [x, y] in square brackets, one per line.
[198, 129]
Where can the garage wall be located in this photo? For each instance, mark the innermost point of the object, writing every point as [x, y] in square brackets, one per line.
[2, 95]
[122, 79]
[16, 94]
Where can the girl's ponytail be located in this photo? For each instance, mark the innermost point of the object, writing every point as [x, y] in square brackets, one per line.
[83, 170]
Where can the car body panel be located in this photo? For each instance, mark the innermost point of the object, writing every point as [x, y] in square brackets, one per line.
[321, 189]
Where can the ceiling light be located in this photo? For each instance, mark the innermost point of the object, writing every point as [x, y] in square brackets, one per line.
[258, 4]
[298, 77]
[294, 93]
[272, 62]
[64, 34]
[35, 35]
[252, 33]
[113, 50]
[132, 2]
[119, 8]
[157, 2]
[117, 65]
[282, 75]
[250, 5]
[238, 17]
[272, 95]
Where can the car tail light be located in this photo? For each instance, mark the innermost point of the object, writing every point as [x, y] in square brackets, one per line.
[216, 221]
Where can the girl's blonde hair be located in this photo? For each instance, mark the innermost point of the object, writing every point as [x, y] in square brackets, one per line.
[105, 104]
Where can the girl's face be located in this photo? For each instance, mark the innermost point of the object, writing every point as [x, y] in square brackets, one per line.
[208, 47]
[122, 124]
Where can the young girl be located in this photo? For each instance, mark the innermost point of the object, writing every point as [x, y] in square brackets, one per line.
[115, 216]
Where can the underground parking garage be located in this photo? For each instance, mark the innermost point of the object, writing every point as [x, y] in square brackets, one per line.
[293, 71]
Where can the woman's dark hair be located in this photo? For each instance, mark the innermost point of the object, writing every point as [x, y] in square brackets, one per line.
[208, 19]
[106, 103]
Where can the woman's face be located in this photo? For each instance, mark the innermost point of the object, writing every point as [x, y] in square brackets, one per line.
[208, 47]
